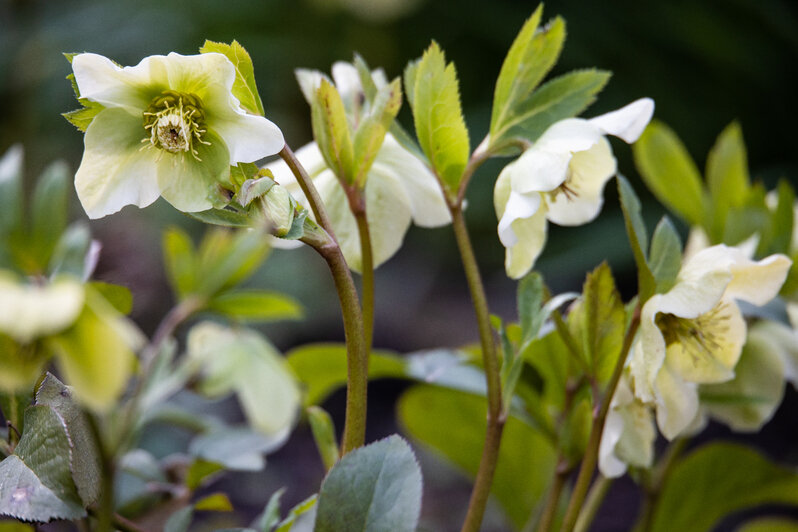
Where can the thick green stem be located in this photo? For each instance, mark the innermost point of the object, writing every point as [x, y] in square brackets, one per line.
[495, 424]
[367, 279]
[595, 498]
[599, 418]
[356, 347]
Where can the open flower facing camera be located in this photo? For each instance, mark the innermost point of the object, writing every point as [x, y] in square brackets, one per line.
[169, 126]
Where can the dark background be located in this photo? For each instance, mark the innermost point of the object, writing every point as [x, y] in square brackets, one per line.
[704, 63]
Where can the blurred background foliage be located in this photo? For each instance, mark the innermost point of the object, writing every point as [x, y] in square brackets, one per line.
[705, 63]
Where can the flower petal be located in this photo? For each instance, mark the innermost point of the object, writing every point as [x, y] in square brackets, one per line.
[627, 122]
[609, 464]
[589, 172]
[569, 136]
[347, 81]
[538, 170]
[518, 207]
[758, 282]
[309, 81]
[648, 352]
[677, 403]
[188, 183]
[132, 88]
[248, 137]
[116, 169]
[529, 232]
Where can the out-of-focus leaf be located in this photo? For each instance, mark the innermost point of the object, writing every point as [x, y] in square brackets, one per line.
[222, 217]
[321, 424]
[118, 296]
[530, 299]
[321, 368]
[180, 520]
[777, 234]
[438, 117]
[236, 449]
[71, 252]
[670, 173]
[638, 238]
[226, 259]
[202, 471]
[307, 506]
[15, 527]
[270, 515]
[769, 524]
[665, 257]
[453, 424]
[727, 176]
[730, 478]
[244, 87]
[11, 199]
[376, 488]
[215, 502]
[373, 127]
[48, 211]
[256, 305]
[180, 261]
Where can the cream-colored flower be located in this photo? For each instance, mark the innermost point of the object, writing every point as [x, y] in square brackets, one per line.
[560, 178]
[170, 127]
[694, 333]
[400, 189]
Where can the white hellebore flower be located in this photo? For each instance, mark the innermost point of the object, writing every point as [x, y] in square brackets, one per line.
[694, 333]
[170, 127]
[399, 187]
[560, 178]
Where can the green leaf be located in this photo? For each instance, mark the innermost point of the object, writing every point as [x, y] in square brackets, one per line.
[321, 368]
[85, 456]
[222, 217]
[730, 478]
[373, 127]
[270, 515]
[117, 295]
[12, 407]
[727, 176]
[236, 449]
[180, 520]
[202, 472]
[530, 299]
[665, 258]
[227, 258]
[215, 502]
[244, 87]
[670, 173]
[81, 118]
[72, 252]
[256, 305]
[376, 488]
[11, 198]
[562, 97]
[453, 424]
[438, 117]
[180, 261]
[769, 524]
[554, 362]
[296, 513]
[331, 131]
[598, 322]
[321, 424]
[638, 237]
[49, 210]
[15, 527]
[35, 482]
[777, 233]
[531, 56]
[242, 361]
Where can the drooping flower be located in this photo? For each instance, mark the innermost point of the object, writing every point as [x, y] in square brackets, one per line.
[694, 333]
[560, 178]
[170, 126]
[399, 187]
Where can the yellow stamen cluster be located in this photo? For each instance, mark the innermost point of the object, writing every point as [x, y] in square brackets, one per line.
[175, 121]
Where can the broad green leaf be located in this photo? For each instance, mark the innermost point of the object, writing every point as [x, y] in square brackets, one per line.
[670, 173]
[729, 478]
[727, 176]
[13, 405]
[242, 361]
[227, 258]
[554, 362]
[769, 524]
[256, 305]
[665, 257]
[202, 472]
[222, 217]
[297, 513]
[49, 210]
[531, 56]
[453, 424]
[96, 354]
[598, 321]
[236, 449]
[638, 238]
[244, 87]
[20, 365]
[332, 132]
[35, 482]
[321, 425]
[215, 502]
[118, 296]
[243, 172]
[754, 217]
[562, 97]
[270, 515]
[321, 368]
[376, 488]
[372, 129]
[530, 299]
[72, 253]
[180, 261]
[11, 199]
[438, 117]
[777, 235]
[85, 456]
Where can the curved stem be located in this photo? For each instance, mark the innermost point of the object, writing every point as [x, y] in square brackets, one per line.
[599, 418]
[367, 269]
[480, 155]
[495, 424]
[356, 348]
[595, 498]
[550, 511]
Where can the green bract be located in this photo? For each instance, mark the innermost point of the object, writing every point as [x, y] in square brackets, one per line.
[170, 126]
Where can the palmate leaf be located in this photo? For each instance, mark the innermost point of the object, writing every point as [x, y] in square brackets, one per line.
[244, 87]
[438, 117]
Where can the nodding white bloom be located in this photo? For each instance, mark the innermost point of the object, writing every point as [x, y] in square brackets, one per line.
[400, 189]
[694, 333]
[170, 127]
[629, 433]
[560, 178]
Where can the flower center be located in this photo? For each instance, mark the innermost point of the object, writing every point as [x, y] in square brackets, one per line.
[175, 122]
[703, 334]
[569, 188]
